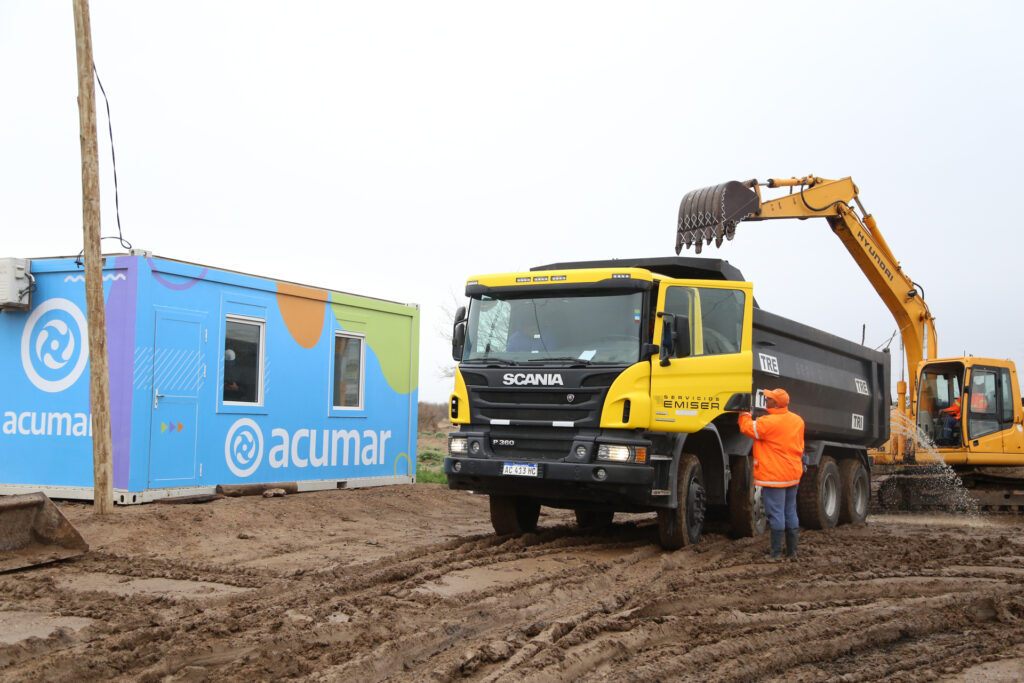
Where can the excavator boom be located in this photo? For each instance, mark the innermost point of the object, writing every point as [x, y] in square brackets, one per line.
[711, 214]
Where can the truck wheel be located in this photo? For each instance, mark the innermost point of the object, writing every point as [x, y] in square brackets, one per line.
[683, 525]
[817, 499]
[594, 519]
[513, 515]
[746, 509]
[856, 488]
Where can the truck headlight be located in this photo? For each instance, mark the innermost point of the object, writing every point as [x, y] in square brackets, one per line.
[616, 453]
[458, 445]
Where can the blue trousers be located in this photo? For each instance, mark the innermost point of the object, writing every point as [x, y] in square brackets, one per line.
[780, 507]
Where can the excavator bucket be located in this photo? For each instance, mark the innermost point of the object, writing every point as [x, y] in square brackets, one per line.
[33, 531]
[711, 213]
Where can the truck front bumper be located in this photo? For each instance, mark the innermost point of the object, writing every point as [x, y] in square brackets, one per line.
[559, 484]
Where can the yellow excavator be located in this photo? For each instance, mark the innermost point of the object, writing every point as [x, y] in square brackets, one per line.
[956, 420]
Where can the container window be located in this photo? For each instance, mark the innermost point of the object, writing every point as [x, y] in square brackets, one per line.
[243, 360]
[348, 371]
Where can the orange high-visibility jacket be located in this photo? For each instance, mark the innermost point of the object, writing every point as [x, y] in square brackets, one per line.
[778, 447]
[954, 408]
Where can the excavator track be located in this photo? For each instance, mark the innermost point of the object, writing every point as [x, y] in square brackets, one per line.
[940, 487]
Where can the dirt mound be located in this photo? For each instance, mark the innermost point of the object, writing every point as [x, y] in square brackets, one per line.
[409, 582]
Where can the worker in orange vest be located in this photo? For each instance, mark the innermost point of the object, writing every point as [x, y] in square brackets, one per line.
[778, 465]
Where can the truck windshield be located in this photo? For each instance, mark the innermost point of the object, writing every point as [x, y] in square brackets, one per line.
[582, 327]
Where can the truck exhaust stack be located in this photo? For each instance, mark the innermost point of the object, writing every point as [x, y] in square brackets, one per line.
[33, 531]
[711, 213]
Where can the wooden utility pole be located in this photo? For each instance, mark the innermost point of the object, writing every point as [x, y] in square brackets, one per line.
[99, 379]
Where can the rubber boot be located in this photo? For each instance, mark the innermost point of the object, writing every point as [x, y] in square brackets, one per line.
[791, 541]
[776, 544]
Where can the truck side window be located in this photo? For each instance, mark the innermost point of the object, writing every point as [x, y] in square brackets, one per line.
[716, 317]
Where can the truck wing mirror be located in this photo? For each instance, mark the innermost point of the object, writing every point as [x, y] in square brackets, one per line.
[458, 340]
[675, 337]
[665, 349]
[459, 333]
[681, 336]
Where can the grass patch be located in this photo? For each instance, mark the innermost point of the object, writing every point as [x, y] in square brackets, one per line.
[431, 477]
[431, 456]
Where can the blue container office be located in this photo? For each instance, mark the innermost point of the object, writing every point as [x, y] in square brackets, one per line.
[216, 377]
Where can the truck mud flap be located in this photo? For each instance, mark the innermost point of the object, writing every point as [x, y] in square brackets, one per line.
[33, 531]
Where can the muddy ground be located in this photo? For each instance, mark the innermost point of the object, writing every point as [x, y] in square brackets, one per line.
[409, 583]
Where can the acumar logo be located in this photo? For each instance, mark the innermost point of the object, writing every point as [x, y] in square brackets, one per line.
[54, 345]
[243, 447]
[546, 379]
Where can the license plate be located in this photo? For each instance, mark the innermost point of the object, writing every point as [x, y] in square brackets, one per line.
[519, 469]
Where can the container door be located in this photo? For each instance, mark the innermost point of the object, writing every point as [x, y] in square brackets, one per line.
[177, 378]
[692, 390]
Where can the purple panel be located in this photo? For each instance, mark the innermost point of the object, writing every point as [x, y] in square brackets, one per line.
[120, 313]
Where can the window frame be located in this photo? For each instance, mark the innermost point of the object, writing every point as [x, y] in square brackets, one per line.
[347, 410]
[261, 323]
[695, 314]
[978, 427]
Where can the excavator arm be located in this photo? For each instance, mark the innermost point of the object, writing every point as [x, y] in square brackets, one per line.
[712, 214]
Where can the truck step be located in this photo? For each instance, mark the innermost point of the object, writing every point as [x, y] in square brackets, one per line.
[660, 492]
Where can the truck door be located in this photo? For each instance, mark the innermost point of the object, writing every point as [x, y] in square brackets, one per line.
[692, 390]
[990, 411]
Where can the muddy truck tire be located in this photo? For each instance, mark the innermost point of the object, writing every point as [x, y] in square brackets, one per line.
[513, 515]
[817, 499]
[746, 509]
[683, 525]
[855, 491]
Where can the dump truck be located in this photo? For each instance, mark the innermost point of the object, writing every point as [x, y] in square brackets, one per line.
[961, 415]
[615, 386]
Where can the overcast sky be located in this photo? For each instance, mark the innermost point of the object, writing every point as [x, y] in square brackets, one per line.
[395, 148]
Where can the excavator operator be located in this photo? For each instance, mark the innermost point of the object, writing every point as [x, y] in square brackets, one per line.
[951, 419]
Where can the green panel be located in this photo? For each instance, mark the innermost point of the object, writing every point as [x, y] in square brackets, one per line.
[390, 330]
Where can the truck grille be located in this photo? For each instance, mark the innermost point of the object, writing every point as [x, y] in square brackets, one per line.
[539, 407]
[535, 443]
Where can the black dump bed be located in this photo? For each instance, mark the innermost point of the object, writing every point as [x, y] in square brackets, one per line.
[839, 388]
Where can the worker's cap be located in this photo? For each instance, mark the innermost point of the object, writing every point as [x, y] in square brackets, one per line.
[779, 395]
[229, 354]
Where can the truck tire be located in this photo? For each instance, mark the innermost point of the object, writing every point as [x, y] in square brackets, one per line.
[683, 525]
[817, 499]
[594, 519]
[513, 515]
[746, 509]
[855, 491]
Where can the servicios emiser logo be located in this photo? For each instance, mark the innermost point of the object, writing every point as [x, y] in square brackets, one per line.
[54, 345]
[243, 447]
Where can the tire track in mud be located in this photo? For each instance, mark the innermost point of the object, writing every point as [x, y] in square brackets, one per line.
[377, 590]
[871, 602]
